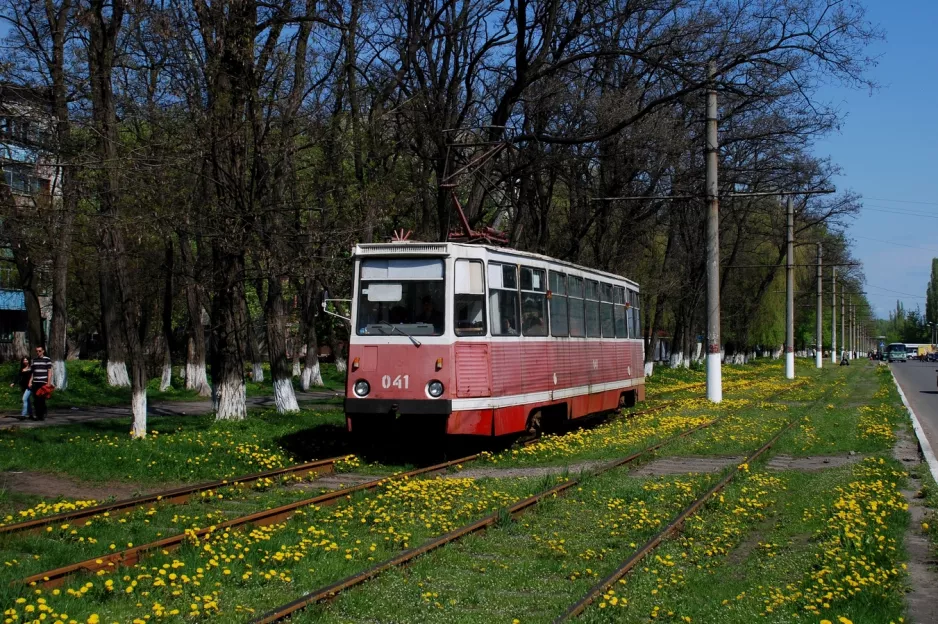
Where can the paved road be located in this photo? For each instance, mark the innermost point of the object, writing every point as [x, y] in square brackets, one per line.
[61, 416]
[918, 381]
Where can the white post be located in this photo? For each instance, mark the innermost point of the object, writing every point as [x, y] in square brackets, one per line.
[834, 315]
[714, 371]
[819, 339]
[790, 294]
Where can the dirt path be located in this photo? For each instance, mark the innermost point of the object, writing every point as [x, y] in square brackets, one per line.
[55, 486]
[65, 416]
[922, 568]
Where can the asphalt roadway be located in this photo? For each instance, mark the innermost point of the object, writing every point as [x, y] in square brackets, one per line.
[919, 382]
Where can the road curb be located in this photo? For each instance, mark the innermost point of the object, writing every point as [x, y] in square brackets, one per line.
[923, 442]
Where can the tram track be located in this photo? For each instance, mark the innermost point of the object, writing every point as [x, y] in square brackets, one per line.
[674, 525]
[330, 591]
[174, 496]
[130, 556]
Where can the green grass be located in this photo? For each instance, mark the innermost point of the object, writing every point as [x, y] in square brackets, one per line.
[177, 449]
[752, 552]
[87, 387]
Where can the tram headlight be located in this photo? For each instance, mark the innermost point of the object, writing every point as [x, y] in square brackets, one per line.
[361, 388]
[435, 389]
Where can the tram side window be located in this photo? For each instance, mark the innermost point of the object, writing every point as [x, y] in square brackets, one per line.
[469, 309]
[607, 318]
[533, 301]
[558, 304]
[503, 299]
[575, 306]
[636, 325]
[618, 299]
[592, 309]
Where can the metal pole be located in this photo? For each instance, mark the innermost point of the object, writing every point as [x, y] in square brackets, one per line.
[819, 350]
[714, 372]
[843, 322]
[834, 315]
[850, 344]
[790, 294]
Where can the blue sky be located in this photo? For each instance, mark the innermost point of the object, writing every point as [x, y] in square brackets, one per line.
[888, 150]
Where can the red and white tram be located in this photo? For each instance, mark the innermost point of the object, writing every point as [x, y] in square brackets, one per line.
[477, 340]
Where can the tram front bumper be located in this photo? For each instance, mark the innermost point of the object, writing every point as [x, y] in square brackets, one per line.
[428, 407]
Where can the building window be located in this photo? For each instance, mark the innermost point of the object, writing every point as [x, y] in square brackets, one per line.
[533, 302]
[21, 179]
[503, 299]
[558, 304]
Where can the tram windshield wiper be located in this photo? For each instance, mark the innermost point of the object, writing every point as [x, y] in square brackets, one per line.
[398, 329]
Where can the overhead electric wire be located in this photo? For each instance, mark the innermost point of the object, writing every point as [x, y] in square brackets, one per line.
[879, 240]
[904, 201]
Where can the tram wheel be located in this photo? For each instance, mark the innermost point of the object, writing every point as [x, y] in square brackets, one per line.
[535, 426]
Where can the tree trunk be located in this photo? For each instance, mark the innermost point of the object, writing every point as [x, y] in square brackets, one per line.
[280, 370]
[254, 350]
[196, 376]
[118, 301]
[228, 324]
[29, 283]
[312, 374]
[166, 379]
[114, 349]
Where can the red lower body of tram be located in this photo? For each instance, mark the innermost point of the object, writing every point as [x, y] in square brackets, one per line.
[491, 388]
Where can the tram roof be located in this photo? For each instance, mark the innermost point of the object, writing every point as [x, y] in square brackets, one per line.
[420, 248]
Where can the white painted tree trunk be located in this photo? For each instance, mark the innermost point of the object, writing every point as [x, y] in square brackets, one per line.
[230, 401]
[296, 367]
[138, 404]
[341, 364]
[649, 369]
[776, 354]
[59, 375]
[698, 352]
[197, 379]
[166, 379]
[284, 396]
[312, 376]
[117, 375]
[257, 371]
[677, 359]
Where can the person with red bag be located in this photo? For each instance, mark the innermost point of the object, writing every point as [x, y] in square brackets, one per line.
[40, 382]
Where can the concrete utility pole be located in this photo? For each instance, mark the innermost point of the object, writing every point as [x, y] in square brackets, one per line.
[819, 351]
[834, 315]
[843, 324]
[790, 293]
[714, 372]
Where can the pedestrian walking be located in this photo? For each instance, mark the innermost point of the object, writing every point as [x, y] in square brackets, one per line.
[40, 377]
[22, 380]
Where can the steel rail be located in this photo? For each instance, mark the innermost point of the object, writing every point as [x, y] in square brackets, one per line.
[130, 556]
[173, 496]
[636, 557]
[330, 591]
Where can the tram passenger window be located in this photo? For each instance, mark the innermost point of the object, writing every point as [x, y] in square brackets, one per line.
[558, 304]
[618, 297]
[503, 299]
[592, 309]
[636, 316]
[533, 302]
[607, 317]
[575, 306]
[469, 298]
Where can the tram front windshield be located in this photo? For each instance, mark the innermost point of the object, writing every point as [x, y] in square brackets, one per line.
[401, 296]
